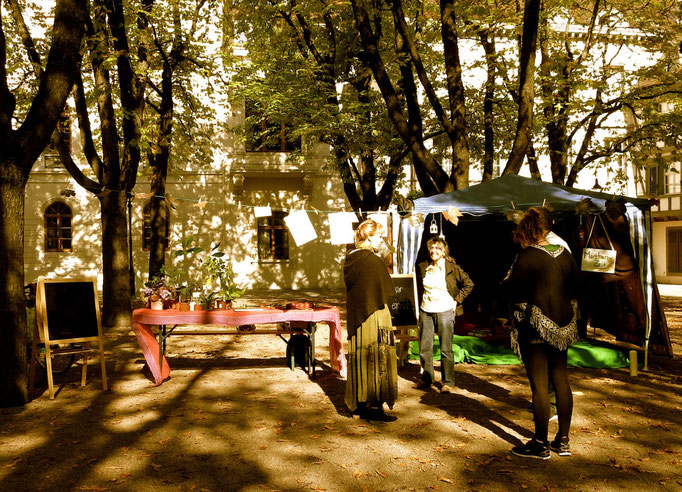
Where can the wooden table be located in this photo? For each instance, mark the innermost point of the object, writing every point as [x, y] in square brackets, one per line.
[144, 319]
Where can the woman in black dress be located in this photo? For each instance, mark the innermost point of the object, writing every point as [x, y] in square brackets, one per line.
[543, 285]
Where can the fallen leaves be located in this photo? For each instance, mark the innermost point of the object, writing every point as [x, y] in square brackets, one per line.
[14, 463]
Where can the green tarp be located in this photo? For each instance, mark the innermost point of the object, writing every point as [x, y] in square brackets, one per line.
[474, 350]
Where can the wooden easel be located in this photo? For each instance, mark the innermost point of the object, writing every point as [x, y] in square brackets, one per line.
[58, 324]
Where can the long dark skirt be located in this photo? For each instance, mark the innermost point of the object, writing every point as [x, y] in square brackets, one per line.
[372, 363]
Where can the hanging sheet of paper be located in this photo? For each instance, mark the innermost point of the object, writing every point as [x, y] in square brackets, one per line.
[262, 211]
[380, 219]
[341, 227]
[301, 228]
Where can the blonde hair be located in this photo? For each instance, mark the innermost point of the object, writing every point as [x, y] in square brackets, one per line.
[365, 230]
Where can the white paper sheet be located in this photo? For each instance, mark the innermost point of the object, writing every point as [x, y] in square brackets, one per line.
[341, 227]
[262, 211]
[301, 228]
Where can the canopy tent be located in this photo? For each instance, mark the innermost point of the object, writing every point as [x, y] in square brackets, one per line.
[482, 242]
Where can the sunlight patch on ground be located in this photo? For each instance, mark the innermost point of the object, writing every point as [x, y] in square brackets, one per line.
[23, 443]
[134, 422]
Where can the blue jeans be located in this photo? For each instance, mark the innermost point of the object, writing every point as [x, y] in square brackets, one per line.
[444, 324]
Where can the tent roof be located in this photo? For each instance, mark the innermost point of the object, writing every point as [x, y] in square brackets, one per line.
[497, 195]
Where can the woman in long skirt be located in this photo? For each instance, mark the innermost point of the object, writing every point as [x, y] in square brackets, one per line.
[372, 366]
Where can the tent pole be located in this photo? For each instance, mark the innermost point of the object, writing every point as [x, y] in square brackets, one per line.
[646, 355]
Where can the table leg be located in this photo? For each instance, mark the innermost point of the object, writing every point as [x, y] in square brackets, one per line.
[162, 345]
[313, 329]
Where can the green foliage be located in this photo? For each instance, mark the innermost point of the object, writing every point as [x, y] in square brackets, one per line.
[317, 89]
[220, 275]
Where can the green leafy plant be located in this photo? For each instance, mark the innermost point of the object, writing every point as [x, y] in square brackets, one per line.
[186, 247]
[178, 277]
[219, 273]
[186, 291]
[205, 299]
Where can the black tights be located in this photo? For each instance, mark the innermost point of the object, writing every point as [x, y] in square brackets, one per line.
[543, 362]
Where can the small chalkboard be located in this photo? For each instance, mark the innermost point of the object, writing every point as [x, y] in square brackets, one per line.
[403, 305]
[67, 313]
[70, 310]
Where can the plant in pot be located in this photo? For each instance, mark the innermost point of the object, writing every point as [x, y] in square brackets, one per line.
[185, 295]
[220, 277]
[206, 298]
[157, 292]
[179, 277]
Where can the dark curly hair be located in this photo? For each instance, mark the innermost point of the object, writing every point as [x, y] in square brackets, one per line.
[534, 226]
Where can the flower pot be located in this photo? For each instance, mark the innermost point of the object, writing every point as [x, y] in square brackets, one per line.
[183, 306]
[156, 305]
[197, 307]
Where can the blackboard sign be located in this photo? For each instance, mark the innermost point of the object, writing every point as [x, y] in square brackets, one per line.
[403, 305]
[67, 313]
[68, 309]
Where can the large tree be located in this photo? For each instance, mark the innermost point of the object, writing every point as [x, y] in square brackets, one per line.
[598, 103]
[306, 68]
[179, 35]
[22, 138]
[114, 160]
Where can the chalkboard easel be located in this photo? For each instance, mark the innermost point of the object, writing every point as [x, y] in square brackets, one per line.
[404, 310]
[67, 313]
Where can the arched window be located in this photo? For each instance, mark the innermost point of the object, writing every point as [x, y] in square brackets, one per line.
[147, 226]
[58, 232]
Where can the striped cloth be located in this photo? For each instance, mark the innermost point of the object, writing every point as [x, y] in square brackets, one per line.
[409, 240]
[640, 223]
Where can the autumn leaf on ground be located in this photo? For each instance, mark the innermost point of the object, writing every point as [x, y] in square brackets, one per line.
[445, 479]
[14, 463]
[358, 474]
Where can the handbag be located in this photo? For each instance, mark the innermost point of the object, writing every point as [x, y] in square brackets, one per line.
[596, 259]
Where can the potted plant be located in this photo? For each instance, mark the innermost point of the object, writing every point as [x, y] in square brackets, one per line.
[185, 295]
[206, 298]
[176, 278]
[157, 293]
[220, 276]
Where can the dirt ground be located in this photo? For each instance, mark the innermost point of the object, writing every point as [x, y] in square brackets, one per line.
[233, 417]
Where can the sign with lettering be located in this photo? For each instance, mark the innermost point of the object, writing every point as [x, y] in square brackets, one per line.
[599, 260]
[403, 305]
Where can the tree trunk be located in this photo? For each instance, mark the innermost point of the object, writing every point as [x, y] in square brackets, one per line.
[13, 330]
[453, 70]
[159, 164]
[524, 124]
[19, 150]
[488, 44]
[432, 179]
[116, 291]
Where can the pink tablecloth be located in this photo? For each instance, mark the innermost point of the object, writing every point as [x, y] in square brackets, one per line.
[143, 319]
